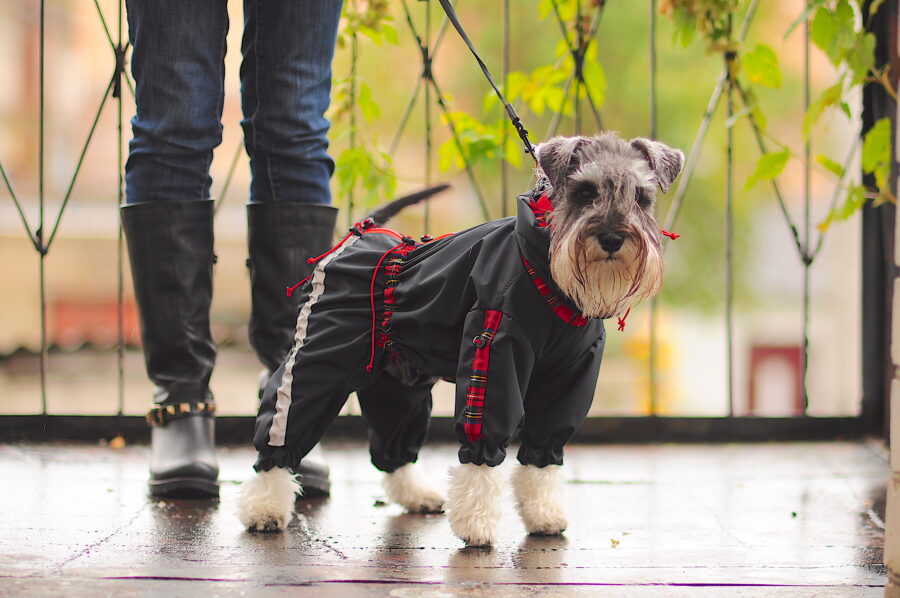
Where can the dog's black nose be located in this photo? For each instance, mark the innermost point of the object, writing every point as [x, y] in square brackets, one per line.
[611, 242]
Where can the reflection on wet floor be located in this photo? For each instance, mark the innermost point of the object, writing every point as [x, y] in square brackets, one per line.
[724, 520]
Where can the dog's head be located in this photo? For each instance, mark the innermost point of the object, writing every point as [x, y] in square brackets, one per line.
[605, 244]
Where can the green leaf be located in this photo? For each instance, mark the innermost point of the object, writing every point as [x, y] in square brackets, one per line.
[873, 8]
[829, 97]
[876, 152]
[595, 80]
[685, 27]
[513, 150]
[369, 108]
[845, 108]
[834, 31]
[449, 156]
[390, 34]
[371, 34]
[860, 57]
[856, 198]
[761, 66]
[768, 167]
[832, 166]
[810, 7]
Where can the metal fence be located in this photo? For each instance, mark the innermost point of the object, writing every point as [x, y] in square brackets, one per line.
[422, 23]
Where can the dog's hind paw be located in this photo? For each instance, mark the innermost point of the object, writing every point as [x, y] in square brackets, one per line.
[550, 521]
[536, 491]
[404, 487]
[266, 502]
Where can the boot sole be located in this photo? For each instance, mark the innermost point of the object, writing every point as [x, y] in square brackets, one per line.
[314, 486]
[184, 488]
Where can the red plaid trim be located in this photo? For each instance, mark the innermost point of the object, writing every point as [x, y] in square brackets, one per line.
[541, 208]
[392, 270]
[562, 311]
[475, 392]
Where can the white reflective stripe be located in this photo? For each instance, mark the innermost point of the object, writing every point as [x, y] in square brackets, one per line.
[283, 402]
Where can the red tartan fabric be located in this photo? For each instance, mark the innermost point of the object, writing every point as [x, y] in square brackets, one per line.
[541, 208]
[475, 392]
[562, 311]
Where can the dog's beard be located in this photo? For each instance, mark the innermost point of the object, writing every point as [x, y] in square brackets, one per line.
[600, 285]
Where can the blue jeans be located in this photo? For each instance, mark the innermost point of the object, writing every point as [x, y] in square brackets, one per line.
[179, 71]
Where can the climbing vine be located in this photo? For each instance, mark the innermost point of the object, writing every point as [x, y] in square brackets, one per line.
[363, 166]
[837, 30]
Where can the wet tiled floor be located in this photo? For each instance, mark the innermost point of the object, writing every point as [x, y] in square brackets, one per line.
[798, 520]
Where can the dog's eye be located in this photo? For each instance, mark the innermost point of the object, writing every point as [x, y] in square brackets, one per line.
[644, 199]
[585, 193]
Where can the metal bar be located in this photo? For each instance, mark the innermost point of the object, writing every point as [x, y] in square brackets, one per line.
[807, 219]
[39, 235]
[761, 143]
[120, 247]
[234, 430]
[691, 162]
[354, 61]
[12, 194]
[79, 164]
[598, 118]
[579, 66]
[428, 133]
[467, 165]
[562, 26]
[407, 112]
[110, 39]
[729, 238]
[577, 120]
[654, 303]
[439, 38]
[557, 116]
[504, 133]
[836, 194]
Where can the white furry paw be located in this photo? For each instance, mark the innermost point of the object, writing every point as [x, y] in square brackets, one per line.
[473, 503]
[536, 491]
[266, 501]
[405, 488]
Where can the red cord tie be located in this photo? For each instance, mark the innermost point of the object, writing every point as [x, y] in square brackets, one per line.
[622, 320]
[371, 365]
[666, 233]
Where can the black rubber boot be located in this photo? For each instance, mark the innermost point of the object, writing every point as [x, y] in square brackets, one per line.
[170, 245]
[281, 237]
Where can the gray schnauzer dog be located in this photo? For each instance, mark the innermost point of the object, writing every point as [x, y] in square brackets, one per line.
[511, 310]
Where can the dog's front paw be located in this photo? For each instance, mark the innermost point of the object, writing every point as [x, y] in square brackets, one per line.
[266, 502]
[405, 488]
[473, 504]
[535, 490]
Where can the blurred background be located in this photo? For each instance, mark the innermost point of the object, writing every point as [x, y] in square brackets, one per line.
[690, 372]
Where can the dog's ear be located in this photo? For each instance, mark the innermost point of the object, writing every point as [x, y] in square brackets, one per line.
[665, 161]
[558, 157]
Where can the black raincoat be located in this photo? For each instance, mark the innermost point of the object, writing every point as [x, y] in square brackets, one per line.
[477, 306]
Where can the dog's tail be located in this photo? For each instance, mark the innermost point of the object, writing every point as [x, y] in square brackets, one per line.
[384, 213]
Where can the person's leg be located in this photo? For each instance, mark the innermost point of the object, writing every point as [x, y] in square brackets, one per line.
[178, 67]
[285, 87]
[285, 90]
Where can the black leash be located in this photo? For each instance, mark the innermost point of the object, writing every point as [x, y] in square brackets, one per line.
[516, 121]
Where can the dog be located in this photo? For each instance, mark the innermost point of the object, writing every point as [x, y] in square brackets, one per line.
[511, 310]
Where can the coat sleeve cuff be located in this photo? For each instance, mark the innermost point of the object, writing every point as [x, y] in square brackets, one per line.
[540, 457]
[481, 453]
